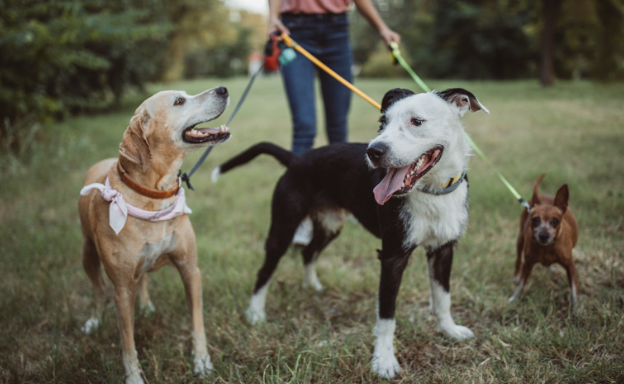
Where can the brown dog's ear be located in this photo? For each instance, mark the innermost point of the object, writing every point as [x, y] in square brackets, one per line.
[561, 198]
[535, 199]
[134, 145]
[463, 100]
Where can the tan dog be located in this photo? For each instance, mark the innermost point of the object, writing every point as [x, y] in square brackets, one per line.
[548, 232]
[144, 179]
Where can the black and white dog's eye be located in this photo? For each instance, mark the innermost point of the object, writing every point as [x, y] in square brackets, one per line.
[416, 121]
[179, 101]
[382, 120]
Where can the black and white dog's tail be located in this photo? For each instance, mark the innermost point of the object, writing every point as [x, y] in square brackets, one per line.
[282, 155]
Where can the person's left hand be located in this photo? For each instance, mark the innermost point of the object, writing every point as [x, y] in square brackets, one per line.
[389, 36]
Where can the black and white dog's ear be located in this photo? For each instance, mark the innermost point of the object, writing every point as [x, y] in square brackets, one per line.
[392, 96]
[463, 100]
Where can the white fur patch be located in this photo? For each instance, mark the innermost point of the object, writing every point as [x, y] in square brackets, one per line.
[132, 368]
[310, 280]
[432, 221]
[214, 176]
[90, 325]
[202, 366]
[441, 307]
[255, 312]
[384, 361]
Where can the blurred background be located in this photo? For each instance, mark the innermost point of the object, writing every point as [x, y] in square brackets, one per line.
[59, 58]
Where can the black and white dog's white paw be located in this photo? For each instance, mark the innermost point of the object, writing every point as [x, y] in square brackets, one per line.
[455, 332]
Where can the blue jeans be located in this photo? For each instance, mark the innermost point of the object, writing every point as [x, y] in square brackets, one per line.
[325, 36]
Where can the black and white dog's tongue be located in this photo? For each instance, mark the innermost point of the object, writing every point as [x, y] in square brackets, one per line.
[390, 184]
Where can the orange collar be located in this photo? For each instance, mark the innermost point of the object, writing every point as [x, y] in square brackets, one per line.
[148, 192]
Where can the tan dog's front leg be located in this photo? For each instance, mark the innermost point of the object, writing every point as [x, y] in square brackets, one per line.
[191, 278]
[124, 303]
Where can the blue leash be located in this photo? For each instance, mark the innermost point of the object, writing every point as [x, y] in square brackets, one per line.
[186, 177]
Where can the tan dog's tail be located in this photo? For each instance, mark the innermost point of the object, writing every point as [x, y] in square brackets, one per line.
[536, 183]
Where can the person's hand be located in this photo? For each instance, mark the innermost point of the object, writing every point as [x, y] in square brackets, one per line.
[389, 36]
[275, 24]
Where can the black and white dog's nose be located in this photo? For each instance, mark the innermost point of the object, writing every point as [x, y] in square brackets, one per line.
[376, 152]
[222, 91]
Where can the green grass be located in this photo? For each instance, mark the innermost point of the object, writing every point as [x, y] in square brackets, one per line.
[572, 131]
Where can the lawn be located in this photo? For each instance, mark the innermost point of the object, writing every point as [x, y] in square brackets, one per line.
[573, 131]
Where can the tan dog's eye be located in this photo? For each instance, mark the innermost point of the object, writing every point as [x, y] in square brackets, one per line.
[536, 221]
[179, 101]
[415, 121]
[554, 221]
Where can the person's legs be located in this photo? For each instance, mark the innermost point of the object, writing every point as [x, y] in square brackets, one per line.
[336, 54]
[298, 78]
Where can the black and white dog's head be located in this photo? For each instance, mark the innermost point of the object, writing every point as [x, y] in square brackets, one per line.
[420, 139]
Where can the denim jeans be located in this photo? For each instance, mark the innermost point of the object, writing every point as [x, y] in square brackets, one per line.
[325, 36]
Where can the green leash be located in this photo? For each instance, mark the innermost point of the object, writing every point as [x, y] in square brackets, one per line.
[394, 47]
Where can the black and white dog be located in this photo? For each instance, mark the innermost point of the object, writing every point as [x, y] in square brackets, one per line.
[408, 186]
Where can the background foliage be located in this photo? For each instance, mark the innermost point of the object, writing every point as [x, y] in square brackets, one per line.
[63, 57]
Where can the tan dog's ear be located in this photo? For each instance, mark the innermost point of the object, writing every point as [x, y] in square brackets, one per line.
[134, 145]
[561, 198]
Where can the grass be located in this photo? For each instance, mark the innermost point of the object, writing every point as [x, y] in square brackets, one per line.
[572, 131]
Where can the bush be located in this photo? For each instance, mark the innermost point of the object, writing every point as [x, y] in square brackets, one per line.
[64, 57]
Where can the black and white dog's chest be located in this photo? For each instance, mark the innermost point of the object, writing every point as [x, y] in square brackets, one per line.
[431, 221]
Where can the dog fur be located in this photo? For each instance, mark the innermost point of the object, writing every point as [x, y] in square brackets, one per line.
[548, 232]
[365, 180]
[161, 132]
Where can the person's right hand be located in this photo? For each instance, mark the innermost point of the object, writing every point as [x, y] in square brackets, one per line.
[275, 24]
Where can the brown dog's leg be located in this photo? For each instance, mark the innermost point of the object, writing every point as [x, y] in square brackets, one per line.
[125, 294]
[572, 278]
[527, 267]
[191, 278]
[144, 299]
[519, 248]
[91, 264]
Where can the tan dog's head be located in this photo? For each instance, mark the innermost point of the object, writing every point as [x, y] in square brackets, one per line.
[546, 214]
[166, 123]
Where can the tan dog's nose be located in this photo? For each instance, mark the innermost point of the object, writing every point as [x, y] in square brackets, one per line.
[221, 91]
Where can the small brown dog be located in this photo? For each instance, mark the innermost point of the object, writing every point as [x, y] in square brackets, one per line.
[548, 232]
[139, 223]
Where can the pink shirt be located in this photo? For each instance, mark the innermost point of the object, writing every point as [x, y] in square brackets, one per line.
[315, 6]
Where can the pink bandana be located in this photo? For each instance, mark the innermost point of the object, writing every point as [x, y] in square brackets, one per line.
[119, 209]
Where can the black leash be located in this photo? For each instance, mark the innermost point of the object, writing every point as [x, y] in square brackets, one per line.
[186, 177]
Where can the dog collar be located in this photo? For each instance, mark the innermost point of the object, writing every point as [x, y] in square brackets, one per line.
[119, 210]
[148, 192]
[445, 188]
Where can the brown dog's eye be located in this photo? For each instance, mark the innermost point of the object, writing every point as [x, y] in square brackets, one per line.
[554, 221]
[415, 121]
[179, 101]
[536, 221]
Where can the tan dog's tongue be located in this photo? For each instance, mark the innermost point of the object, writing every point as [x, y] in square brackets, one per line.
[390, 184]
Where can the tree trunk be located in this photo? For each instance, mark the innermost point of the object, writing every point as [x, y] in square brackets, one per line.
[550, 9]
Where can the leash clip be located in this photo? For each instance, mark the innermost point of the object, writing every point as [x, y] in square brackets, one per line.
[184, 177]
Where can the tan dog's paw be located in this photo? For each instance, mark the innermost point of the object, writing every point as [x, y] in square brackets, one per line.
[203, 366]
